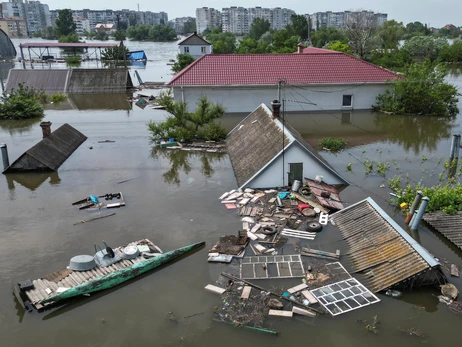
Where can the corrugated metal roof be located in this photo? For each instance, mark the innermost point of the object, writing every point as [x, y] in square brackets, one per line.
[268, 69]
[450, 226]
[50, 81]
[378, 246]
[136, 55]
[50, 152]
[65, 45]
[99, 81]
[7, 49]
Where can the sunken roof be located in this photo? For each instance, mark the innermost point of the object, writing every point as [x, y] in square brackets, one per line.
[50, 152]
[50, 81]
[378, 247]
[259, 139]
[194, 40]
[268, 69]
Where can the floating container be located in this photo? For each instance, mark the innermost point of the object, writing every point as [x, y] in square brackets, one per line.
[131, 252]
[82, 263]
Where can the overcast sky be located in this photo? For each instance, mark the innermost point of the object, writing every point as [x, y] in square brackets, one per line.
[434, 13]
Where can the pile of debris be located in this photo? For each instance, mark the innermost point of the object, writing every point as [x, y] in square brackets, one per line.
[207, 146]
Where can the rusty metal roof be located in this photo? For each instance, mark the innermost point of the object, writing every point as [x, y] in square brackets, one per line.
[332, 201]
[448, 225]
[378, 247]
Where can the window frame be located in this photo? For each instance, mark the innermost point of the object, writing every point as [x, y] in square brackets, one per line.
[351, 100]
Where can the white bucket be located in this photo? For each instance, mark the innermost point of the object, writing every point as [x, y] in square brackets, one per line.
[296, 185]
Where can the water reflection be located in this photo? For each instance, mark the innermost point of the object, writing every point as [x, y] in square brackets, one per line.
[180, 161]
[30, 180]
[18, 126]
[416, 133]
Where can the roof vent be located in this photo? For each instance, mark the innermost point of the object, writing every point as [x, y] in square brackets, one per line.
[276, 108]
[46, 128]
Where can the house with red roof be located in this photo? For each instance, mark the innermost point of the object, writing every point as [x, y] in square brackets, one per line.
[317, 81]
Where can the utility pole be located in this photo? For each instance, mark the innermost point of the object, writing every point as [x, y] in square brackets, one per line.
[122, 48]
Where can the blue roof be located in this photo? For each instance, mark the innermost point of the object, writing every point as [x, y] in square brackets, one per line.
[136, 55]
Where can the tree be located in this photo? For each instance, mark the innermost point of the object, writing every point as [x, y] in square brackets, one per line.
[452, 53]
[71, 38]
[324, 36]
[223, 43]
[187, 126]
[423, 91]
[252, 46]
[119, 35]
[64, 23]
[115, 53]
[101, 35]
[416, 29]
[425, 47]
[390, 33]
[189, 26]
[162, 33]
[395, 60]
[284, 42]
[340, 47]
[138, 32]
[258, 27]
[22, 103]
[182, 60]
[298, 26]
[360, 30]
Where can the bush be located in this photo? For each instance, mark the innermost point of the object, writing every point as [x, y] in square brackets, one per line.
[333, 144]
[114, 53]
[182, 60]
[73, 61]
[22, 104]
[57, 98]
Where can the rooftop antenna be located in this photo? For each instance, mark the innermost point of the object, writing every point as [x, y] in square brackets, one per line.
[138, 7]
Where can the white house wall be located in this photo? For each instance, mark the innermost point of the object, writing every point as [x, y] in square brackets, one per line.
[272, 175]
[195, 50]
[246, 99]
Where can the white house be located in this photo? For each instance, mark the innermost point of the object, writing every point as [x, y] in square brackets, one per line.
[195, 45]
[316, 81]
[265, 152]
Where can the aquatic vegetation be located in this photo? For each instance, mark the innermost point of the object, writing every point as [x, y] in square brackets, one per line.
[333, 144]
[59, 97]
[382, 168]
[348, 167]
[371, 326]
[368, 166]
[22, 103]
[424, 158]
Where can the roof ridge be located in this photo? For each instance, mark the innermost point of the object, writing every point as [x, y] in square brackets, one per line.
[369, 63]
[187, 68]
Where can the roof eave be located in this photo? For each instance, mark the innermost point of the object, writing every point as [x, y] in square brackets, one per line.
[272, 85]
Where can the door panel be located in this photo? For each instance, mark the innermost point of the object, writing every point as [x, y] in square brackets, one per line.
[295, 172]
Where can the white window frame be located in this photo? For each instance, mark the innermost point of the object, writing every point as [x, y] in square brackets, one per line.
[186, 49]
[351, 101]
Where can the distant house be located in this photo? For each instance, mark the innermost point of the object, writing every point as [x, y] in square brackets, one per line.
[107, 28]
[265, 151]
[195, 45]
[324, 80]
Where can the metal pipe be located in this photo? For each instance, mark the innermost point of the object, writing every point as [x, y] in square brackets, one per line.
[453, 144]
[5, 159]
[412, 218]
[457, 146]
[414, 205]
[22, 56]
[420, 213]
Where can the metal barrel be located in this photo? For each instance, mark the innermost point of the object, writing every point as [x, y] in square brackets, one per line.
[296, 185]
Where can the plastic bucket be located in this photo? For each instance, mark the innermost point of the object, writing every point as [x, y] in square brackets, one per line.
[296, 185]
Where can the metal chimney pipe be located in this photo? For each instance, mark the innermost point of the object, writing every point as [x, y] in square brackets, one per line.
[5, 159]
[276, 108]
[46, 128]
[414, 206]
[420, 213]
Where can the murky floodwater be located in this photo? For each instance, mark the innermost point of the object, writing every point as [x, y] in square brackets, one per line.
[172, 200]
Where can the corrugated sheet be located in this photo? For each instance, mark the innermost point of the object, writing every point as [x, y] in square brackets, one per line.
[450, 226]
[99, 81]
[136, 55]
[377, 247]
[50, 152]
[50, 81]
[333, 201]
[7, 50]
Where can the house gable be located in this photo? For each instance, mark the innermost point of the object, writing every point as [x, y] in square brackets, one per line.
[194, 40]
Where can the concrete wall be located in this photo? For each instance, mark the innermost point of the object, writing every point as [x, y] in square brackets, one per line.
[195, 50]
[272, 175]
[247, 98]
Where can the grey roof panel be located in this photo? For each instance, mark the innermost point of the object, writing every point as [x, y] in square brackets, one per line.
[50, 81]
[98, 81]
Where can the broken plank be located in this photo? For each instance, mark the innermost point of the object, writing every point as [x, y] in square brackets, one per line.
[300, 236]
[251, 236]
[260, 236]
[228, 201]
[221, 258]
[299, 231]
[255, 228]
[214, 289]
[297, 288]
[224, 195]
[310, 297]
[244, 201]
[310, 202]
[335, 255]
[455, 270]
[260, 248]
[245, 226]
[270, 250]
[317, 256]
[246, 292]
[303, 312]
[280, 313]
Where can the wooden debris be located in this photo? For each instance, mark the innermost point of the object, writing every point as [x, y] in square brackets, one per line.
[214, 289]
[224, 195]
[253, 249]
[95, 218]
[255, 228]
[270, 250]
[245, 226]
[310, 297]
[260, 248]
[301, 235]
[455, 270]
[303, 312]
[297, 288]
[310, 202]
[280, 313]
[260, 236]
[244, 201]
[228, 201]
[308, 252]
[252, 236]
[246, 292]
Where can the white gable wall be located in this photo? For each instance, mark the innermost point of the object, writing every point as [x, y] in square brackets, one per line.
[272, 175]
[195, 50]
[246, 98]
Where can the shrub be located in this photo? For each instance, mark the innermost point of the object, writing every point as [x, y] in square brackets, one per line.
[73, 61]
[57, 98]
[333, 144]
[22, 103]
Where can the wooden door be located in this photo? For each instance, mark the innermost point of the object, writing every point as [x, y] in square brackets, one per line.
[295, 172]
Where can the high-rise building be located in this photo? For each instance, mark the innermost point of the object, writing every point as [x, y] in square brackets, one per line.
[235, 20]
[281, 18]
[207, 18]
[178, 23]
[35, 14]
[13, 27]
[341, 19]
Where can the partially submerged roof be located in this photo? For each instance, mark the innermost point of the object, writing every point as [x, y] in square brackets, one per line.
[258, 140]
[378, 247]
[269, 69]
[7, 50]
[446, 224]
[50, 152]
[136, 55]
[194, 40]
[51, 81]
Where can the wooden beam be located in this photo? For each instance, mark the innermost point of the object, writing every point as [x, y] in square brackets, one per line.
[246, 292]
[297, 288]
[310, 297]
[280, 313]
[310, 202]
[214, 289]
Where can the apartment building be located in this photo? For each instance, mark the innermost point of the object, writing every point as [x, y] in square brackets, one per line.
[35, 14]
[207, 18]
[178, 23]
[339, 20]
[281, 18]
[81, 25]
[14, 27]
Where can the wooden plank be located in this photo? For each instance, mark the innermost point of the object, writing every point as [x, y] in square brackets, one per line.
[310, 297]
[303, 312]
[260, 248]
[245, 226]
[246, 292]
[335, 255]
[255, 228]
[280, 313]
[244, 202]
[214, 289]
[300, 236]
[310, 202]
[260, 236]
[299, 231]
[455, 270]
[224, 195]
[297, 288]
[251, 236]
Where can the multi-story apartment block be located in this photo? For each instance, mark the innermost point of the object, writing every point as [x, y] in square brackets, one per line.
[281, 18]
[81, 25]
[235, 20]
[340, 19]
[259, 12]
[207, 18]
[35, 14]
[178, 23]
[14, 27]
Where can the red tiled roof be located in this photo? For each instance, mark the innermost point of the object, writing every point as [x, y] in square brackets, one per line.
[268, 69]
[311, 50]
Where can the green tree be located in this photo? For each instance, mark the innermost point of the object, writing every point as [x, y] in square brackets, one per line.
[187, 126]
[423, 91]
[71, 38]
[119, 35]
[138, 32]
[394, 60]
[182, 60]
[223, 43]
[284, 42]
[189, 26]
[324, 36]
[252, 46]
[258, 27]
[450, 32]
[452, 53]
[64, 23]
[425, 47]
[162, 33]
[340, 47]
[298, 26]
[416, 29]
[115, 53]
[22, 103]
[390, 33]
[101, 35]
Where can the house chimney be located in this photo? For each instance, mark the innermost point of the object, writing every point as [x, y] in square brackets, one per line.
[300, 48]
[195, 33]
[276, 108]
[46, 128]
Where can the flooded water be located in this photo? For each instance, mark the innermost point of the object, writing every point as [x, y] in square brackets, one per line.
[171, 198]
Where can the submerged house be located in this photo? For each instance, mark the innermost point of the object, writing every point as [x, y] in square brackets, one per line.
[265, 151]
[195, 46]
[51, 151]
[324, 80]
[7, 49]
